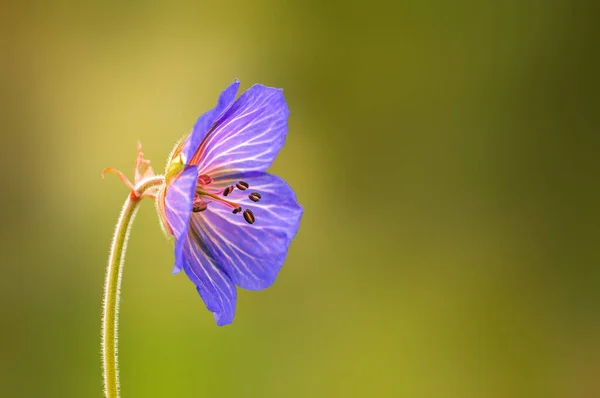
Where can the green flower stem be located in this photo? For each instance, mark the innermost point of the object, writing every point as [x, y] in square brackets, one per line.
[112, 285]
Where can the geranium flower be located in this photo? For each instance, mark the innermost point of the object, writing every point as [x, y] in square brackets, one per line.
[232, 221]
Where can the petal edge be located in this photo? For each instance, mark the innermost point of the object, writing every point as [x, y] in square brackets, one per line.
[249, 135]
[205, 121]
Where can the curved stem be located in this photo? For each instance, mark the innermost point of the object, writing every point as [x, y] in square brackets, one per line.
[112, 285]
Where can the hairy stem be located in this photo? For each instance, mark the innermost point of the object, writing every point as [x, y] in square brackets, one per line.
[112, 285]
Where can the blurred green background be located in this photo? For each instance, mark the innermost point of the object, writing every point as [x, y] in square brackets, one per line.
[446, 154]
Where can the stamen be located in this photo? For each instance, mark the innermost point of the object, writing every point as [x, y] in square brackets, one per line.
[254, 196]
[203, 192]
[242, 185]
[249, 216]
[204, 179]
[200, 208]
[199, 205]
[228, 190]
[217, 198]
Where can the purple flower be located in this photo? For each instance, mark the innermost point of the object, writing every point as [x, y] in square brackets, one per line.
[232, 221]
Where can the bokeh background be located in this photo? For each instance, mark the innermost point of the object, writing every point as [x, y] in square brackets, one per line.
[446, 154]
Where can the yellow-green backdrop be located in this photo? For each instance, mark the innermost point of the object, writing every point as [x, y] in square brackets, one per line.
[445, 152]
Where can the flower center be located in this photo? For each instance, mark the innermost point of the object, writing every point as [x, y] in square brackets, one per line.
[206, 194]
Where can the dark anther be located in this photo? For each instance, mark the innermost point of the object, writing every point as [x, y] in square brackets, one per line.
[237, 210]
[228, 190]
[249, 216]
[254, 196]
[242, 185]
